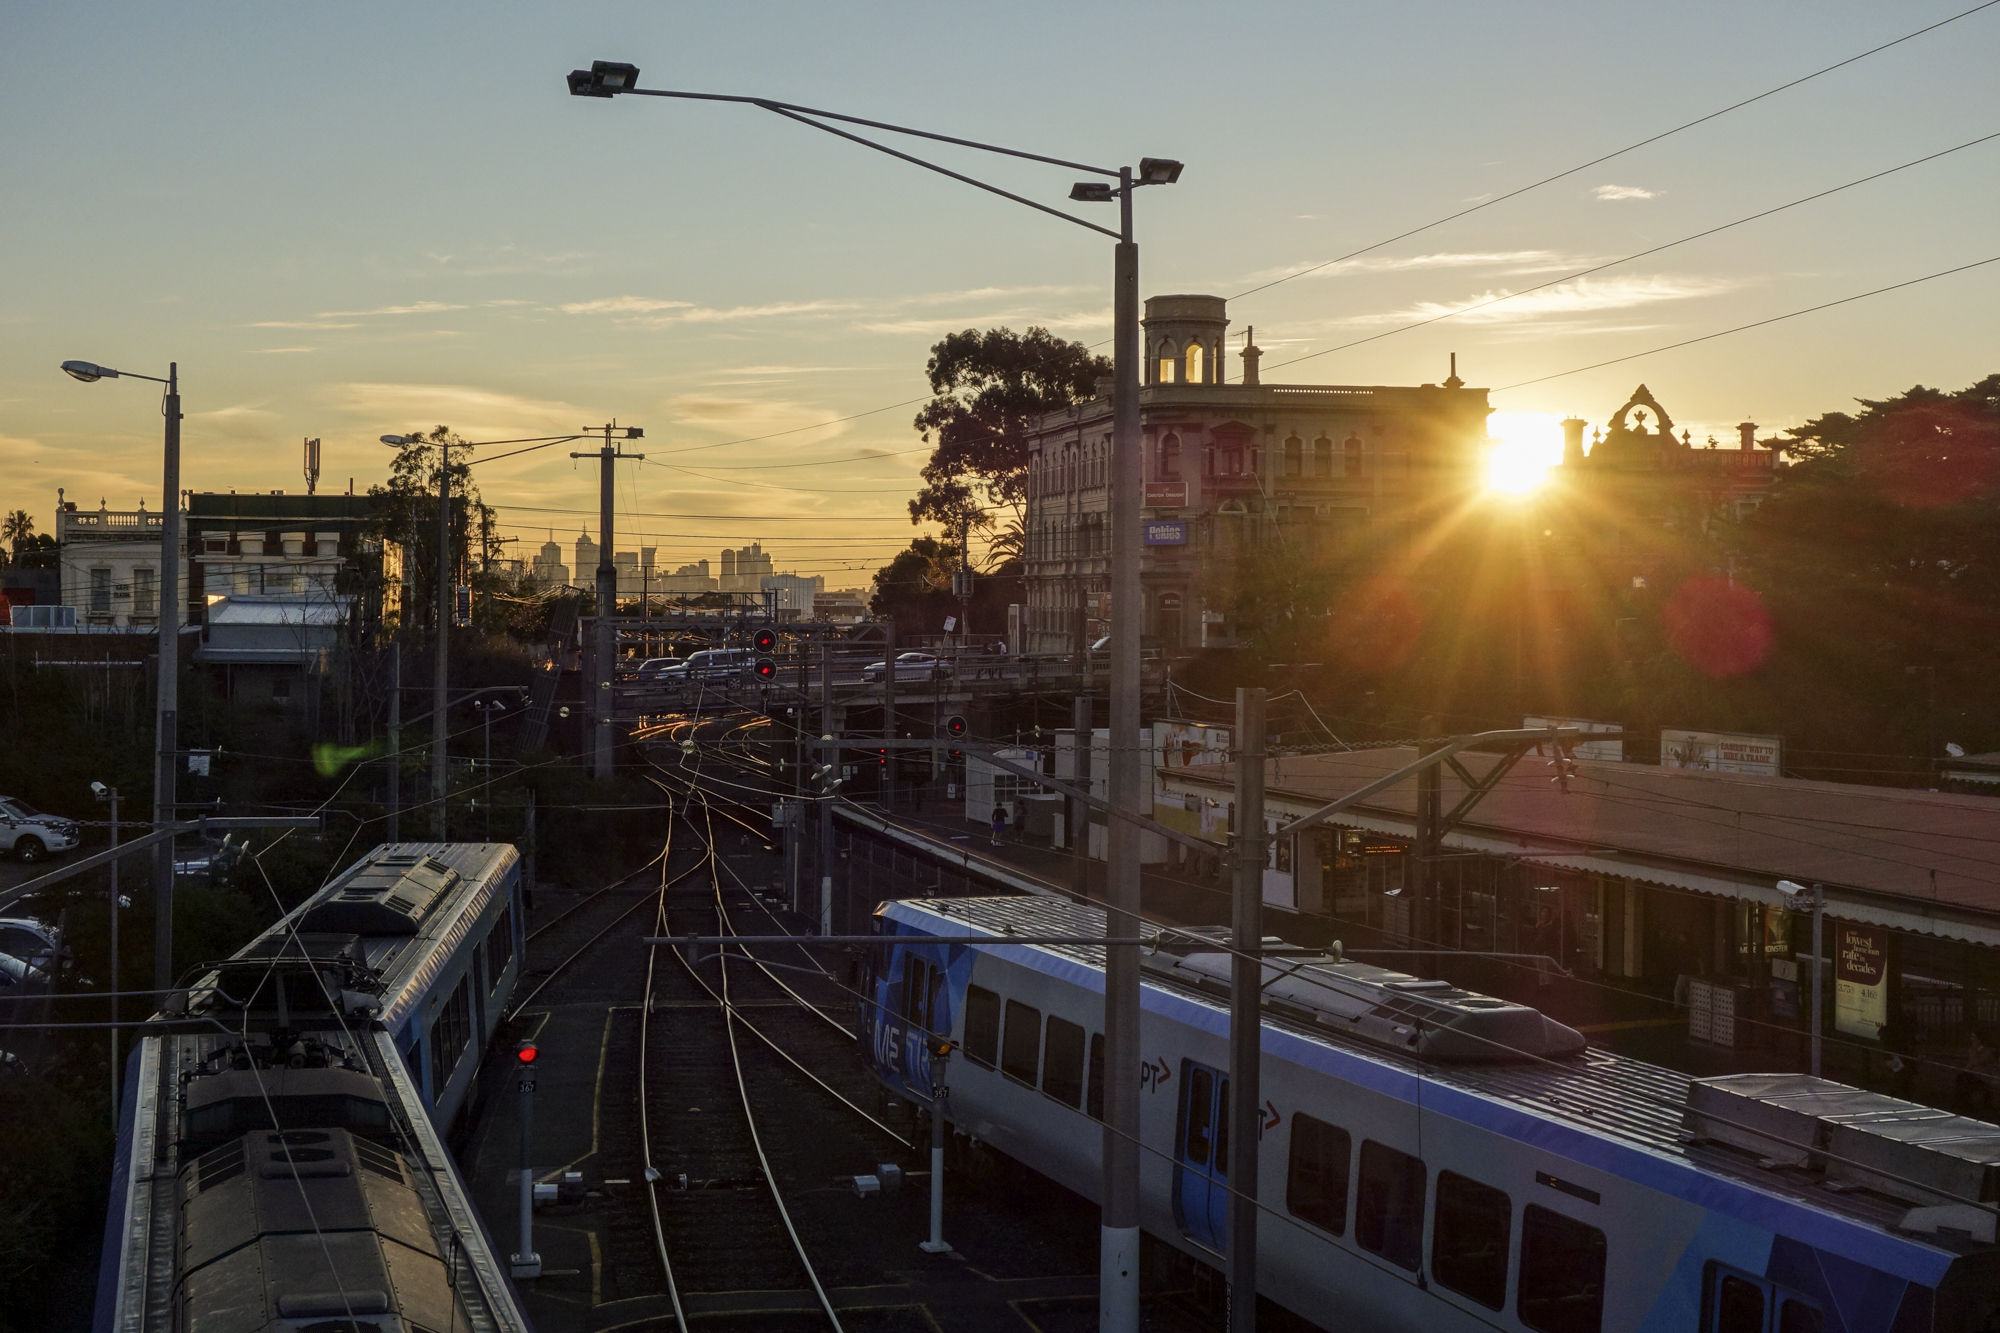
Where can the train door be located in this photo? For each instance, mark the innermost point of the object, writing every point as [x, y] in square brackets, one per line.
[1201, 1155]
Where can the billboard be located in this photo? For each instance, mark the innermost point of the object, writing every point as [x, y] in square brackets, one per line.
[1167, 532]
[1860, 979]
[1722, 752]
[1166, 495]
[1607, 751]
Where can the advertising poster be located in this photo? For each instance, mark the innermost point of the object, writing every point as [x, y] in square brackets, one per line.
[1860, 979]
[1607, 751]
[1167, 532]
[1722, 752]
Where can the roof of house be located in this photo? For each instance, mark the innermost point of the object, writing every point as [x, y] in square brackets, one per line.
[1930, 848]
[291, 609]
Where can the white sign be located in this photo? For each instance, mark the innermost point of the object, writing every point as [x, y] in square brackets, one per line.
[1606, 751]
[1722, 752]
[950, 624]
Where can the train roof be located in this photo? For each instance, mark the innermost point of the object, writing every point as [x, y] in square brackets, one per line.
[1609, 1099]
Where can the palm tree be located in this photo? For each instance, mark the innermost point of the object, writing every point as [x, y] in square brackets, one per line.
[15, 529]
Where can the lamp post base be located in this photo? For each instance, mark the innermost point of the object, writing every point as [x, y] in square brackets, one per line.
[934, 1246]
[526, 1265]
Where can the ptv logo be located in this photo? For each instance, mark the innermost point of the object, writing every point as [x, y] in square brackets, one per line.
[1154, 1074]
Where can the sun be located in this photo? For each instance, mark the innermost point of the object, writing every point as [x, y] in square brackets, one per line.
[1525, 446]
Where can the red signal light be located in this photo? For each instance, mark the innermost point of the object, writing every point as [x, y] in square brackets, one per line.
[525, 1053]
[765, 669]
[764, 640]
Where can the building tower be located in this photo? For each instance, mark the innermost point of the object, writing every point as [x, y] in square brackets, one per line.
[1183, 339]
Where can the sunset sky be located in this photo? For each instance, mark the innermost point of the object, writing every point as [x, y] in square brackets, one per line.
[365, 218]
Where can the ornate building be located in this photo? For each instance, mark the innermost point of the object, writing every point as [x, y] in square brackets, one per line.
[1230, 468]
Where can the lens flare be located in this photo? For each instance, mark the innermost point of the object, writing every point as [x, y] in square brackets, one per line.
[1525, 446]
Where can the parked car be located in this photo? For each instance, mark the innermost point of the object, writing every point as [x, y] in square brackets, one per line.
[659, 671]
[30, 950]
[32, 835]
[910, 666]
[719, 663]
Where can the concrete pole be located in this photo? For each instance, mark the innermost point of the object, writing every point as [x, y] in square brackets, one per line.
[395, 739]
[831, 757]
[1079, 813]
[1423, 854]
[441, 665]
[527, 1263]
[1246, 1024]
[1118, 1260]
[888, 770]
[167, 735]
[528, 857]
[115, 1071]
[607, 615]
[936, 1244]
[1819, 918]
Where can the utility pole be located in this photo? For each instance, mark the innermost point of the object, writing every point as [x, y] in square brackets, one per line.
[441, 667]
[1082, 724]
[167, 736]
[1118, 1258]
[888, 767]
[831, 752]
[1246, 1023]
[961, 584]
[395, 739]
[605, 669]
[1423, 852]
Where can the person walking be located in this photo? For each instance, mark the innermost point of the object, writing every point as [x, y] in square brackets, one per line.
[999, 823]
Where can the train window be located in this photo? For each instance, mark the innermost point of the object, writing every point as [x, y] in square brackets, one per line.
[500, 946]
[1019, 1056]
[1739, 1305]
[1562, 1273]
[451, 1032]
[1469, 1239]
[1798, 1317]
[1095, 1102]
[1316, 1183]
[1389, 1205]
[982, 1026]
[1062, 1062]
[1200, 1136]
[917, 991]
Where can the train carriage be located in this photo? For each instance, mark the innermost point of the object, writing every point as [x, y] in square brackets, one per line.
[281, 1162]
[1438, 1160]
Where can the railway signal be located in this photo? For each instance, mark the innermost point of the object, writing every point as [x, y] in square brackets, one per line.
[765, 669]
[956, 727]
[526, 1263]
[764, 641]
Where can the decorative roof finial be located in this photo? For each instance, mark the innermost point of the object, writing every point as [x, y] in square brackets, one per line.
[1454, 382]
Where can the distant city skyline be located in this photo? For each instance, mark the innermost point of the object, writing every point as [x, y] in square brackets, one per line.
[428, 230]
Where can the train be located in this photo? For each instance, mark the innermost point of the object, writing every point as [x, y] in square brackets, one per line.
[281, 1162]
[1433, 1159]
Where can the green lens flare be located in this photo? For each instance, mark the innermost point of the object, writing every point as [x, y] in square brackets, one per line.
[329, 758]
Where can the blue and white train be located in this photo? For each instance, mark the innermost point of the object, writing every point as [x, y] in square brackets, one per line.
[280, 1161]
[1436, 1160]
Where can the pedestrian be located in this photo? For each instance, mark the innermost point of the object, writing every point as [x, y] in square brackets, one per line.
[999, 823]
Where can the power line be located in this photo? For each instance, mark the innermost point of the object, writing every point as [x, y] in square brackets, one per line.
[1706, 337]
[1597, 161]
[1614, 263]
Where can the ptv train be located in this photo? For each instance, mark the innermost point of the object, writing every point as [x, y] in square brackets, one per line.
[280, 1160]
[1433, 1159]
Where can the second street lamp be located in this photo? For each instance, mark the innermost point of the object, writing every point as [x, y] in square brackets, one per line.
[1118, 1301]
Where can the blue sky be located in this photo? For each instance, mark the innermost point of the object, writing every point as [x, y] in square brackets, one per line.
[366, 218]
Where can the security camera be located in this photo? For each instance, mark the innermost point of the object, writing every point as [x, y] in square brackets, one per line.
[101, 791]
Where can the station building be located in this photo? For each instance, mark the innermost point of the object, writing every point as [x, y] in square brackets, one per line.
[1229, 468]
[1659, 881]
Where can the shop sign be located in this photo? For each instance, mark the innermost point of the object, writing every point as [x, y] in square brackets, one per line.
[1722, 752]
[1860, 979]
[1167, 532]
[1166, 495]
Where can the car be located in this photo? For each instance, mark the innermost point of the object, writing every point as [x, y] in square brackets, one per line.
[910, 666]
[30, 950]
[31, 834]
[659, 670]
[718, 663]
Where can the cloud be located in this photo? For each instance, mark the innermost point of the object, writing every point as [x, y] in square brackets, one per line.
[241, 421]
[1516, 261]
[274, 351]
[1609, 193]
[752, 416]
[622, 305]
[932, 325]
[299, 324]
[419, 308]
[1583, 296]
[474, 412]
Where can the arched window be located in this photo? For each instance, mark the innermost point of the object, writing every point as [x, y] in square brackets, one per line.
[1232, 458]
[1169, 363]
[1194, 364]
[1322, 457]
[1170, 458]
[1353, 459]
[1294, 456]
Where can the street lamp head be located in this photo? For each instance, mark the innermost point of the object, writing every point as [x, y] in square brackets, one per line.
[398, 441]
[1158, 171]
[604, 78]
[1091, 192]
[88, 371]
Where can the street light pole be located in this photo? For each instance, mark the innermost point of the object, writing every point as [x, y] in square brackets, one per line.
[441, 667]
[165, 735]
[605, 669]
[1118, 1302]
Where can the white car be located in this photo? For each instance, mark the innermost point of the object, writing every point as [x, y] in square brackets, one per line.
[30, 950]
[910, 666]
[32, 835]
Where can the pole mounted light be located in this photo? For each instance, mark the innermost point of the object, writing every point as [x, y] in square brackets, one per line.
[1119, 1234]
[88, 371]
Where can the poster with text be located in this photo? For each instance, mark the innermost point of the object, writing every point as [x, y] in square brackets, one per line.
[1860, 979]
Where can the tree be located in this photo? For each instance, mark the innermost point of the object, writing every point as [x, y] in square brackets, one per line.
[989, 386]
[914, 590]
[406, 513]
[16, 529]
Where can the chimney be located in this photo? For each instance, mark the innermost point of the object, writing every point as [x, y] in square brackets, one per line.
[1746, 435]
[1251, 353]
[1573, 441]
